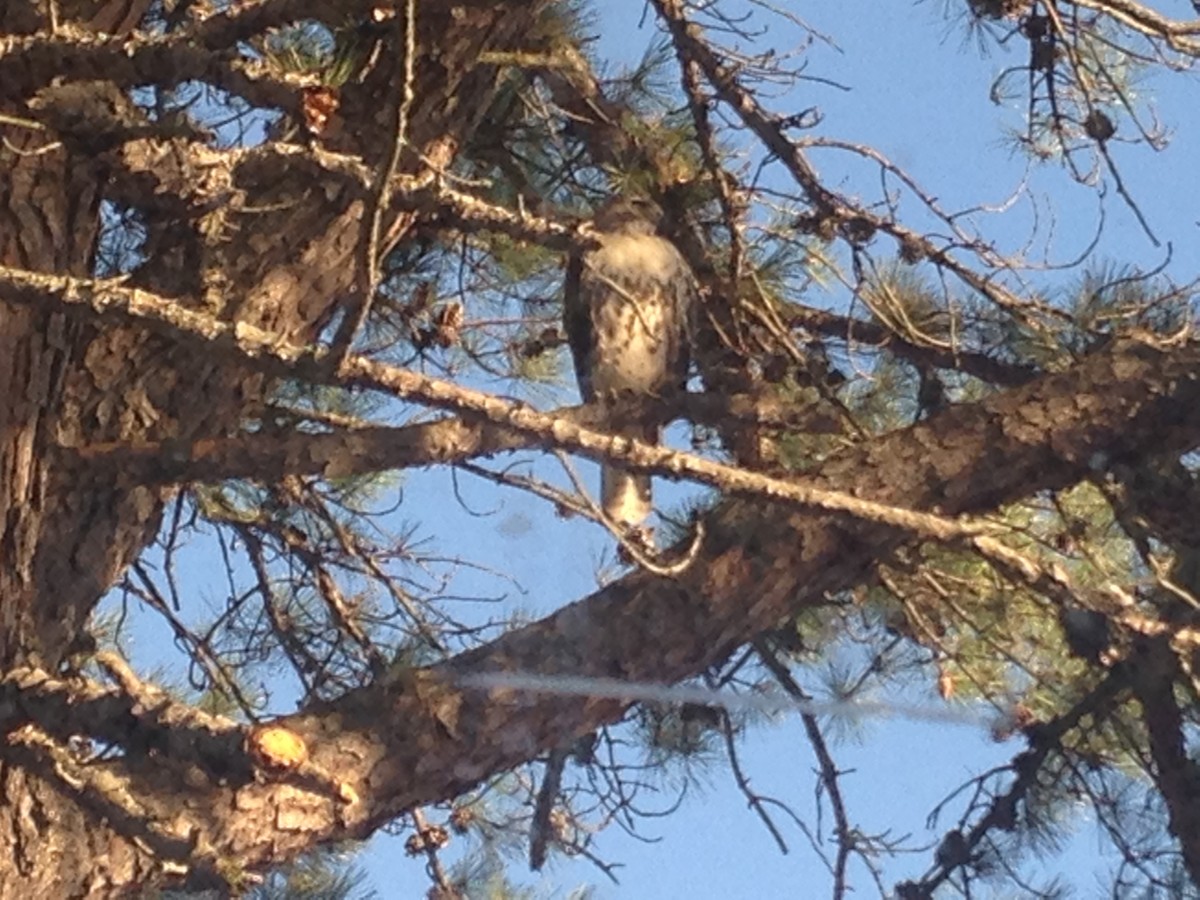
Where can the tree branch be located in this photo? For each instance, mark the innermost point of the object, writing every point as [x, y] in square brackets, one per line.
[277, 357]
[344, 452]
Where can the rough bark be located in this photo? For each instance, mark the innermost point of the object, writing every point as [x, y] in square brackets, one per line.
[49, 221]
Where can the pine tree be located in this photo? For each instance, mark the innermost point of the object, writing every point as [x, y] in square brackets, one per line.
[260, 261]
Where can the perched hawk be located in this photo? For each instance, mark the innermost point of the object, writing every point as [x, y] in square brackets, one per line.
[626, 308]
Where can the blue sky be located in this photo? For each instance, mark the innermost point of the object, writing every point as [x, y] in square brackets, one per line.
[918, 93]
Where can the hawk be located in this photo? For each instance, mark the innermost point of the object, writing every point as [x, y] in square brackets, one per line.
[626, 308]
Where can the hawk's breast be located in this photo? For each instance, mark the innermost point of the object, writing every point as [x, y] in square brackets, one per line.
[636, 287]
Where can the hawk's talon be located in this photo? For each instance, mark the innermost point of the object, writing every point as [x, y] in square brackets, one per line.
[636, 546]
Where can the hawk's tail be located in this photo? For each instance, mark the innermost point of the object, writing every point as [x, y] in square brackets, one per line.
[624, 496]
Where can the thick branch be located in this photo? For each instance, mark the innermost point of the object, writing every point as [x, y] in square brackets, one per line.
[276, 356]
[1175, 773]
[345, 452]
[30, 63]
[854, 331]
[177, 178]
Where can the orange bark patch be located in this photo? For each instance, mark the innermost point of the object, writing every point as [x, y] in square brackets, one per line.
[274, 747]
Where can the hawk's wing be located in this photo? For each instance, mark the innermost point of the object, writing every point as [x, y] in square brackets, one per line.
[577, 321]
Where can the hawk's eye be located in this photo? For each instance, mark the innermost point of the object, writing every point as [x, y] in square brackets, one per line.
[645, 208]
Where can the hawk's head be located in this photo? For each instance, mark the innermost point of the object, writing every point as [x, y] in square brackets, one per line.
[628, 215]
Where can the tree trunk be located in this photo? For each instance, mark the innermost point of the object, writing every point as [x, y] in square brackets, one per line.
[65, 538]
